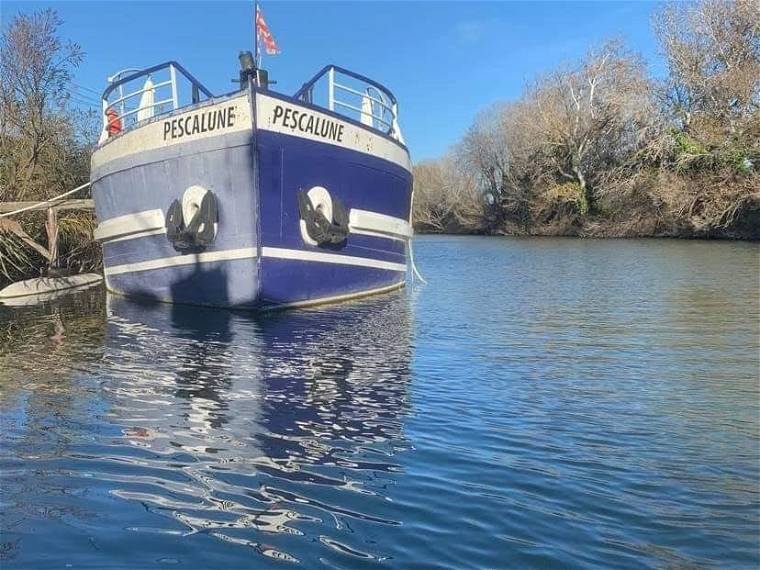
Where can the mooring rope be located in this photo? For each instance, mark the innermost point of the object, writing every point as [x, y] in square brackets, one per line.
[414, 265]
[49, 201]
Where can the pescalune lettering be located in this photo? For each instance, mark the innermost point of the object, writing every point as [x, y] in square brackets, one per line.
[199, 123]
[308, 123]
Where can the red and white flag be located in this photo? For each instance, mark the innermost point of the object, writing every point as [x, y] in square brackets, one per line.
[263, 33]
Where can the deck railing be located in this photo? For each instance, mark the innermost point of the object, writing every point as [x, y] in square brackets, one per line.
[355, 96]
[133, 95]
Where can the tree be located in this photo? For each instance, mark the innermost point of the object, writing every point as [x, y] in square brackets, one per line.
[713, 53]
[446, 197]
[42, 154]
[44, 144]
[591, 117]
[712, 96]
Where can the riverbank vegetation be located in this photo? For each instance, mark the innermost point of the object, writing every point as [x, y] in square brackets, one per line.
[45, 145]
[601, 148]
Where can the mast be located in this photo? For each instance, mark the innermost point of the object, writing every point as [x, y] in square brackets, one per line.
[256, 53]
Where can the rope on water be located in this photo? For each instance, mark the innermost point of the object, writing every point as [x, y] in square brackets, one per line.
[49, 201]
[415, 272]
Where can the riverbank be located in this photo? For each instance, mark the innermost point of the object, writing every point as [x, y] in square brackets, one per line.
[748, 229]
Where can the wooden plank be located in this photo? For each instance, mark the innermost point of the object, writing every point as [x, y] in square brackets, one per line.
[51, 226]
[41, 286]
[83, 204]
[12, 226]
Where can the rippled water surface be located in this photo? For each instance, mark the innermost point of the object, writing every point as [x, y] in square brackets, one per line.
[542, 403]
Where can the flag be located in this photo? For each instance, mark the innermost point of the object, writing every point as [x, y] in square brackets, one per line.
[263, 33]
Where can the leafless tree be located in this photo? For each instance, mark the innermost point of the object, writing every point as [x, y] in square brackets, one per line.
[712, 95]
[713, 52]
[446, 197]
[591, 117]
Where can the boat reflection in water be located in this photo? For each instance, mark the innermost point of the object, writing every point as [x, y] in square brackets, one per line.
[271, 432]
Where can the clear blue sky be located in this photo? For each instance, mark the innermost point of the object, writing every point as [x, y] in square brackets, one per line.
[445, 61]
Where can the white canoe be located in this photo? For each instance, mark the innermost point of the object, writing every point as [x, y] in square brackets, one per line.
[46, 285]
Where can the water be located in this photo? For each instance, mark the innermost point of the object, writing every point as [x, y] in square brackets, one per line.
[549, 403]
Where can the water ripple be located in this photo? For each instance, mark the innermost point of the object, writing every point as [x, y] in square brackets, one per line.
[543, 403]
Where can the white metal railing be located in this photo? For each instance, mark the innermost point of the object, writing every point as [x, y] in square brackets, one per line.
[368, 101]
[373, 110]
[153, 87]
[125, 110]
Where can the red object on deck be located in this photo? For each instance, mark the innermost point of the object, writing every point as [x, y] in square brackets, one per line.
[114, 122]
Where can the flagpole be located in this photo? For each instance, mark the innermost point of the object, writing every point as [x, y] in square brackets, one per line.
[256, 54]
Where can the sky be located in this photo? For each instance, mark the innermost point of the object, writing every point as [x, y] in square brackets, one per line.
[444, 61]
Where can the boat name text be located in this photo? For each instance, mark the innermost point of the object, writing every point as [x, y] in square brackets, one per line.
[308, 123]
[203, 122]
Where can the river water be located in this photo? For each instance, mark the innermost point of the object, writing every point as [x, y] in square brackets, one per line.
[552, 403]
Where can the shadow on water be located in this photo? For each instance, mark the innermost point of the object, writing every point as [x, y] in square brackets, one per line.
[267, 432]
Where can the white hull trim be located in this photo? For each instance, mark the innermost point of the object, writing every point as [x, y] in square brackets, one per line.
[153, 135]
[131, 226]
[320, 257]
[270, 117]
[283, 306]
[250, 253]
[372, 223]
[152, 222]
[377, 235]
[179, 260]
[158, 232]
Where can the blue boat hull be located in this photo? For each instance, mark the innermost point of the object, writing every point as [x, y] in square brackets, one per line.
[259, 257]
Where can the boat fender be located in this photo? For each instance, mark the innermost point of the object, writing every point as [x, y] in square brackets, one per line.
[324, 219]
[192, 224]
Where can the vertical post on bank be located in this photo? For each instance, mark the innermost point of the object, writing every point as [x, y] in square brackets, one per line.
[51, 226]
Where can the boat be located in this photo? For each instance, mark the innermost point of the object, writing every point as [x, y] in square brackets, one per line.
[252, 199]
[41, 289]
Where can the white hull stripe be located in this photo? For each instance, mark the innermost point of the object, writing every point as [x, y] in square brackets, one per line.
[320, 257]
[179, 260]
[308, 303]
[129, 224]
[360, 221]
[249, 253]
[160, 231]
[151, 222]
[376, 234]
